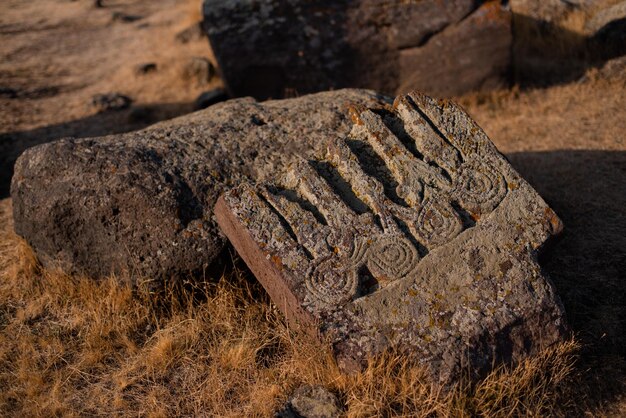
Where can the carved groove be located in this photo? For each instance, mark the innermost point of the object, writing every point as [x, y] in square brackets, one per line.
[366, 229]
[391, 257]
[480, 188]
[331, 283]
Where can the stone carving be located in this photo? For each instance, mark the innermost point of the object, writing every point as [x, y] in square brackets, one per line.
[412, 232]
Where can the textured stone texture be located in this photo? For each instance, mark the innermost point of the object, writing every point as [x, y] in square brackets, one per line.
[311, 402]
[413, 232]
[275, 48]
[141, 203]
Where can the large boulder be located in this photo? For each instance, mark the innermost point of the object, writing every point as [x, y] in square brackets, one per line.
[140, 204]
[278, 48]
[413, 233]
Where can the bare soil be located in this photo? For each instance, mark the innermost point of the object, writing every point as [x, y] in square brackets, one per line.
[69, 346]
[58, 54]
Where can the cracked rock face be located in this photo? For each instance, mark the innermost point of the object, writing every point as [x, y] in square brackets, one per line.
[413, 232]
[278, 48]
[141, 204]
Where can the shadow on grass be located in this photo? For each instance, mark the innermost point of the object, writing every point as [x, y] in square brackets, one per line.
[587, 190]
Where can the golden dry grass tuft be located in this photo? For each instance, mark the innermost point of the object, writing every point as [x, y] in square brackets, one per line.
[72, 346]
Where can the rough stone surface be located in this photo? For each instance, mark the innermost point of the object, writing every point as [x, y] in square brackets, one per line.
[414, 232]
[278, 48]
[311, 402]
[141, 203]
[472, 55]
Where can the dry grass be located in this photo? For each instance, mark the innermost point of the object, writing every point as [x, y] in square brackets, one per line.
[71, 346]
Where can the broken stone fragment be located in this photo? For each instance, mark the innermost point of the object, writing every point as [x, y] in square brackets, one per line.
[413, 232]
[140, 204]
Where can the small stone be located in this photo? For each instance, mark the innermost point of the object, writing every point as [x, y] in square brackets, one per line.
[110, 101]
[311, 402]
[210, 97]
[199, 69]
[146, 68]
[413, 232]
[192, 33]
[8, 92]
[124, 18]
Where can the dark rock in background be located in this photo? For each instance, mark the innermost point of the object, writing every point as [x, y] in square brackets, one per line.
[210, 97]
[277, 49]
[141, 203]
[474, 54]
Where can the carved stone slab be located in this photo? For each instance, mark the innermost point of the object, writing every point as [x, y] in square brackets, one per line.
[413, 232]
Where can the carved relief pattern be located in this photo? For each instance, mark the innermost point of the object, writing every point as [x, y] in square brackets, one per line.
[480, 188]
[437, 223]
[391, 257]
[331, 281]
[434, 173]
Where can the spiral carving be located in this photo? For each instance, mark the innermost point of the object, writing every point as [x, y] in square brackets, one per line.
[332, 281]
[437, 223]
[391, 257]
[480, 188]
